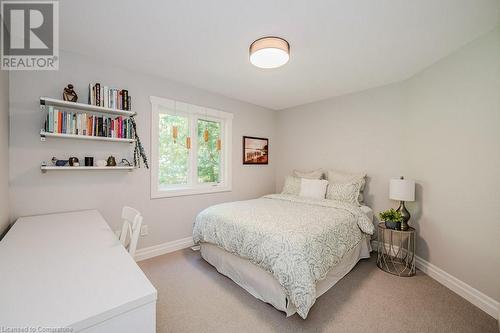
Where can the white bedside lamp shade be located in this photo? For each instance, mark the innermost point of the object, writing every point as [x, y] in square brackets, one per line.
[402, 190]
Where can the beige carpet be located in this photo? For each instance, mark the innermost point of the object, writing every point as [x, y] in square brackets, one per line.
[194, 297]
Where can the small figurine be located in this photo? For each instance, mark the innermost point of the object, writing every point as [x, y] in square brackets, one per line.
[111, 161]
[125, 162]
[58, 162]
[69, 94]
[73, 161]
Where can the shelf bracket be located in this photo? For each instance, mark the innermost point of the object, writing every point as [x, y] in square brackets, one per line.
[42, 136]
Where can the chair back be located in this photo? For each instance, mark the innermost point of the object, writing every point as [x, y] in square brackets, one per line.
[132, 222]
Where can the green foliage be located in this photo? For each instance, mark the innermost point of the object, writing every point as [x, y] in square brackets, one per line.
[391, 215]
[208, 156]
[174, 156]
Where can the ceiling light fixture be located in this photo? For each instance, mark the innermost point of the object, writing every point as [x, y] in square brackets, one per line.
[269, 52]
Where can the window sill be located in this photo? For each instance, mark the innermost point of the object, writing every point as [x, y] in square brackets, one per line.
[189, 191]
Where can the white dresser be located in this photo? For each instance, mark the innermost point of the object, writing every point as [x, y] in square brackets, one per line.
[69, 270]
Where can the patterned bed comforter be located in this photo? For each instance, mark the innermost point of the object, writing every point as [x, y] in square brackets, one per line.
[298, 240]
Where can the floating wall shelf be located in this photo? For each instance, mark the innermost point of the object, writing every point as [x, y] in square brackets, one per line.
[45, 168]
[84, 107]
[44, 135]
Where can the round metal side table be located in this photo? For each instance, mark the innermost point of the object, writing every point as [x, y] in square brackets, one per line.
[396, 250]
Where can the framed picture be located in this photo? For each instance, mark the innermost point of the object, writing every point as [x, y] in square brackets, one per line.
[255, 150]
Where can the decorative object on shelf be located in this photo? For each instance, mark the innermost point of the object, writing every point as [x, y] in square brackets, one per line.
[402, 190]
[111, 161]
[391, 218]
[139, 152]
[255, 150]
[89, 161]
[58, 162]
[101, 163]
[76, 164]
[125, 162]
[73, 160]
[396, 250]
[69, 94]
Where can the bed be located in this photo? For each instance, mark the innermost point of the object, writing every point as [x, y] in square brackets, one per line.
[284, 249]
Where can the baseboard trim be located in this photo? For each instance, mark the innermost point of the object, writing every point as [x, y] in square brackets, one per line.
[482, 301]
[158, 250]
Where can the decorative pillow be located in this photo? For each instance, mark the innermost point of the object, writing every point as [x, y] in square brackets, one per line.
[313, 188]
[345, 192]
[315, 174]
[341, 177]
[335, 176]
[292, 185]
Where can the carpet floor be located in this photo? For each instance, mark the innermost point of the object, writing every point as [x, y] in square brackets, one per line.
[194, 297]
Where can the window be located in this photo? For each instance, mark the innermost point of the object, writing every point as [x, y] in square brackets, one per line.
[191, 149]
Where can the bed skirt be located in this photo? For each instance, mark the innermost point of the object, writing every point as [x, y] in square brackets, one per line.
[262, 284]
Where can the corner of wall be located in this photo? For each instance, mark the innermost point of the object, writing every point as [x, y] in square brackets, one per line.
[4, 153]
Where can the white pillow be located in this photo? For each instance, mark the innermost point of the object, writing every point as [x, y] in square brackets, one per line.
[313, 188]
[292, 185]
[314, 174]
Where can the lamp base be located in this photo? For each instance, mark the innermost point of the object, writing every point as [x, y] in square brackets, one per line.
[405, 214]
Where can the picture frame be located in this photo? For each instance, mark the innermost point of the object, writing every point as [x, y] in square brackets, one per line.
[255, 150]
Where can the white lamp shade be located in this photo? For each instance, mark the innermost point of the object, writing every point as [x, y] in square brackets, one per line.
[402, 190]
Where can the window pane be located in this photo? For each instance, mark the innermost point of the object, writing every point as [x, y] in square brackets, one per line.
[208, 154]
[173, 153]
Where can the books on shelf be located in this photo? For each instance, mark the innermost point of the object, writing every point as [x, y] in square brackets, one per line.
[107, 97]
[87, 124]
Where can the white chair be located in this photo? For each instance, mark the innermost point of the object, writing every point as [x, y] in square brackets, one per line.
[132, 221]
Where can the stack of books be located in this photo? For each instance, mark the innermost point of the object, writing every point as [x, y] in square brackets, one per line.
[86, 124]
[107, 97]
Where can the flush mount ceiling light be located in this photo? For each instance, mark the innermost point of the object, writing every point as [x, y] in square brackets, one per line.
[269, 52]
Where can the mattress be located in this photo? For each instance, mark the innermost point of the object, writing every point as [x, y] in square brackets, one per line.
[262, 285]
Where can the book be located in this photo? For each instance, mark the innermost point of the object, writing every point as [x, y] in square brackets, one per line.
[50, 125]
[125, 99]
[91, 99]
[98, 94]
[106, 96]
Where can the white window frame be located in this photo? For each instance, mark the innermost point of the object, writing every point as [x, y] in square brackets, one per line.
[194, 112]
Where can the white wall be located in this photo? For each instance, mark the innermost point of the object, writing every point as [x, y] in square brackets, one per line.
[4, 151]
[357, 132]
[453, 151]
[170, 218]
[442, 128]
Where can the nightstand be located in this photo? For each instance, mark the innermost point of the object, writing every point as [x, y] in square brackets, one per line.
[396, 250]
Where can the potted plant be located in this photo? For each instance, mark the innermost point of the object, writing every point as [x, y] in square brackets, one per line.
[392, 218]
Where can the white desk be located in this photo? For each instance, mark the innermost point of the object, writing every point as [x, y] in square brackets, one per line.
[70, 270]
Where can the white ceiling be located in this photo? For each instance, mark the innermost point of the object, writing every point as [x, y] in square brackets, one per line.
[337, 46]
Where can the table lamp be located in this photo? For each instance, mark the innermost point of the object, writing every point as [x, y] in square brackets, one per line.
[402, 190]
